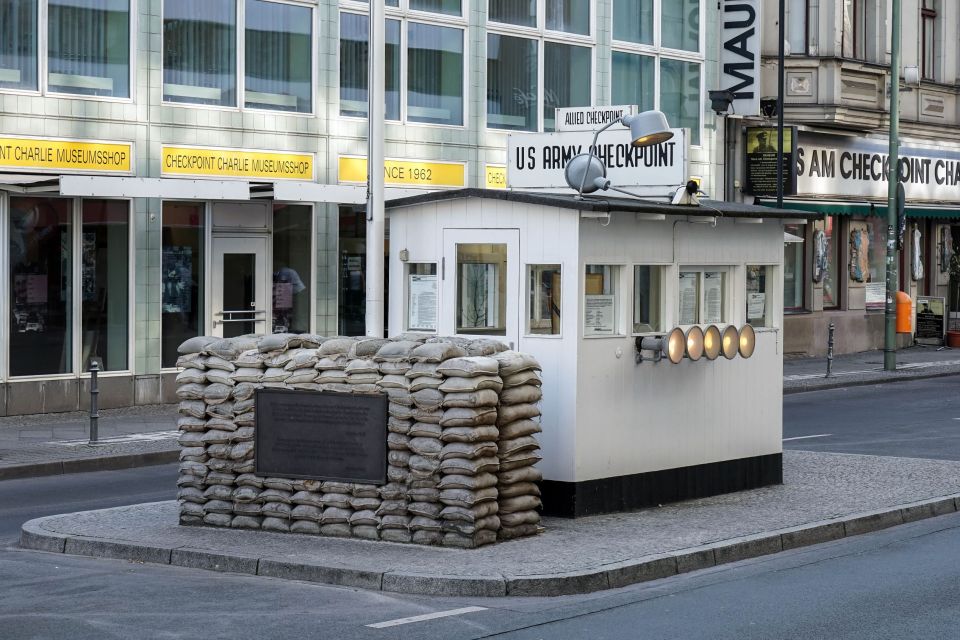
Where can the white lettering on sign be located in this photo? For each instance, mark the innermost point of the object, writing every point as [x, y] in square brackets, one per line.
[538, 160]
[740, 57]
[590, 118]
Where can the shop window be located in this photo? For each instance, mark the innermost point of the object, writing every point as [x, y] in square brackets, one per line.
[434, 74]
[41, 286]
[793, 267]
[88, 45]
[18, 44]
[182, 277]
[875, 275]
[481, 289]
[422, 297]
[511, 83]
[292, 233]
[353, 68]
[200, 52]
[702, 296]
[759, 295]
[647, 298]
[104, 290]
[279, 54]
[829, 254]
[543, 301]
[601, 303]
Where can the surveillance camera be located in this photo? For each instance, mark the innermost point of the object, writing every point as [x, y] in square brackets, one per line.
[768, 107]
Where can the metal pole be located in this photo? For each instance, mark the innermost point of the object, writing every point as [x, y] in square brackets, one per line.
[893, 179]
[780, 55]
[94, 409]
[830, 330]
[376, 223]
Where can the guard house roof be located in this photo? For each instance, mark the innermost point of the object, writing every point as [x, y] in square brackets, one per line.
[606, 204]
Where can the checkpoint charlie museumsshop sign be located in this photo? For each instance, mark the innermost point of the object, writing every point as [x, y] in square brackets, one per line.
[65, 156]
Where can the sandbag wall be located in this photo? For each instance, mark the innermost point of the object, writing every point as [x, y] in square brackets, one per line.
[463, 415]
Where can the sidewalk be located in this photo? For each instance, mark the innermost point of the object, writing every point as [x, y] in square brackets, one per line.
[824, 497]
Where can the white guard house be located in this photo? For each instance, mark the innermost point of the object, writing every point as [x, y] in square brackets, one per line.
[579, 284]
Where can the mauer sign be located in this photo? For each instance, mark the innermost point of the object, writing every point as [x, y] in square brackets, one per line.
[740, 56]
[538, 160]
[839, 165]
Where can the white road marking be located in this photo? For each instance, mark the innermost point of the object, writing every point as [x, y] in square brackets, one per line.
[133, 437]
[426, 616]
[822, 435]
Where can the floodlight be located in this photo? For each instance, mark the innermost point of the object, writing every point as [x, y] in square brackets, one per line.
[730, 343]
[748, 341]
[712, 342]
[670, 346]
[694, 343]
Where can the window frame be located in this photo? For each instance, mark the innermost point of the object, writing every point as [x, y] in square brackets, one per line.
[727, 314]
[656, 51]
[618, 303]
[527, 309]
[804, 260]
[771, 304]
[541, 35]
[406, 295]
[404, 15]
[664, 268]
[929, 16]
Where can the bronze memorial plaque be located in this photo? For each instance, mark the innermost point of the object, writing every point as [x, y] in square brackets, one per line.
[321, 435]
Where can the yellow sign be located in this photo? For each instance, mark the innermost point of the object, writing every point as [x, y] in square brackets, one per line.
[405, 173]
[236, 163]
[65, 155]
[496, 177]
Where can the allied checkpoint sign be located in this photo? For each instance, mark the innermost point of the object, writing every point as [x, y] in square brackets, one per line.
[537, 160]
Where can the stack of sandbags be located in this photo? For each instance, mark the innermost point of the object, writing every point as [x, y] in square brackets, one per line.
[518, 422]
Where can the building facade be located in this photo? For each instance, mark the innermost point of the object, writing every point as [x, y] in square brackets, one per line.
[155, 156]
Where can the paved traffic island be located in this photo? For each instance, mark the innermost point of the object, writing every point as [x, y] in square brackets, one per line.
[824, 497]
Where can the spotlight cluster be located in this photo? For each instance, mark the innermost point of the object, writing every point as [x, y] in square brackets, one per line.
[697, 343]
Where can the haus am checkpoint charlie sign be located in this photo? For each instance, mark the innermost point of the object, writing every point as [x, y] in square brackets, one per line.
[538, 160]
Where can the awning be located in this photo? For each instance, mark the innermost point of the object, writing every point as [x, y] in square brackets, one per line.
[866, 209]
[29, 183]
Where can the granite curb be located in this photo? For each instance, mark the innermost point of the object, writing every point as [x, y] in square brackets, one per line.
[820, 384]
[35, 536]
[82, 465]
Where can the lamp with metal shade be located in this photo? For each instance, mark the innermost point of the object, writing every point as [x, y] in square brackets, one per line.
[748, 341]
[646, 128]
[730, 342]
[694, 343]
[671, 346]
[712, 342]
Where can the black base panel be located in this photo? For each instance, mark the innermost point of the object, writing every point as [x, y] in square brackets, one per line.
[623, 493]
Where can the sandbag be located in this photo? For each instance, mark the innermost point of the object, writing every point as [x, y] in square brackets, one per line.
[457, 481]
[215, 363]
[330, 363]
[306, 512]
[519, 518]
[366, 347]
[216, 393]
[519, 428]
[464, 385]
[310, 498]
[469, 450]
[219, 376]
[195, 407]
[462, 466]
[425, 430]
[336, 346]
[197, 344]
[461, 417]
[191, 376]
[394, 351]
[512, 362]
[517, 504]
[191, 391]
[469, 367]
[522, 459]
[191, 361]
[518, 489]
[520, 379]
[429, 447]
[469, 434]
[526, 394]
[424, 370]
[308, 527]
[332, 376]
[472, 399]
[390, 381]
[362, 366]
[278, 342]
[511, 413]
[394, 368]
[437, 352]
[467, 498]
[419, 384]
[508, 448]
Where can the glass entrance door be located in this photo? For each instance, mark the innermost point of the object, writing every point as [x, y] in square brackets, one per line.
[240, 303]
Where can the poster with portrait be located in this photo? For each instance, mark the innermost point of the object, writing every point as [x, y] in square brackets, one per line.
[177, 265]
[761, 161]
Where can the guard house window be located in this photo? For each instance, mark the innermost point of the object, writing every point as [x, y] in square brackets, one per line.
[422, 296]
[759, 295]
[794, 266]
[856, 14]
[425, 39]
[292, 231]
[702, 296]
[104, 274]
[200, 52]
[181, 277]
[88, 47]
[928, 14]
[537, 56]
[673, 53]
[18, 44]
[601, 301]
[543, 301]
[647, 298]
[481, 289]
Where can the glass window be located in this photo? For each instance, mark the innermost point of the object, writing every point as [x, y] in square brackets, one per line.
[88, 43]
[181, 277]
[200, 52]
[797, 21]
[481, 289]
[601, 305]
[104, 278]
[434, 74]
[571, 16]
[875, 239]
[18, 44]
[41, 286]
[680, 24]
[688, 297]
[633, 21]
[831, 234]
[279, 56]
[928, 13]
[292, 231]
[680, 95]
[353, 66]
[543, 305]
[511, 83]
[422, 296]
[633, 80]
[759, 295]
[855, 29]
[793, 266]
[564, 68]
[519, 12]
[647, 298]
[702, 296]
[448, 7]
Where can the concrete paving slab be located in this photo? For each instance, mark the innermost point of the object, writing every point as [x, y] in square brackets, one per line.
[825, 496]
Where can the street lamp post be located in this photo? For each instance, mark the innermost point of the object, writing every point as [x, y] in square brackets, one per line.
[376, 223]
[893, 179]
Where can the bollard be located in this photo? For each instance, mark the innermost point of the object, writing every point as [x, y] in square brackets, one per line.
[830, 373]
[94, 392]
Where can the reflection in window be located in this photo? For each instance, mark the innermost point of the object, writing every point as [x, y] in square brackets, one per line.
[481, 289]
[422, 296]
[181, 264]
[647, 298]
[18, 44]
[41, 292]
[353, 66]
[104, 284]
[564, 67]
[633, 81]
[793, 266]
[511, 83]
[601, 305]
[681, 24]
[571, 16]
[292, 230]
[680, 95]
[519, 12]
[543, 306]
[759, 291]
[278, 56]
[200, 52]
[434, 74]
[831, 233]
[633, 21]
[89, 47]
